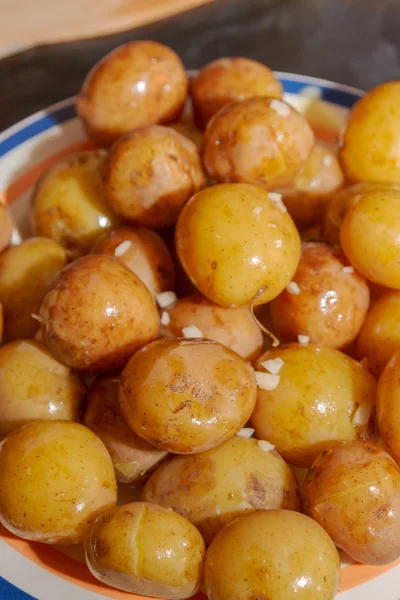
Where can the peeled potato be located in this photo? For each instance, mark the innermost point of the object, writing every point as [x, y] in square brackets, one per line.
[388, 406]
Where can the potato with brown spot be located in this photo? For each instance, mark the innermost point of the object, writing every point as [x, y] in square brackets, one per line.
[6, 227]
[388, 406]
[187, 395]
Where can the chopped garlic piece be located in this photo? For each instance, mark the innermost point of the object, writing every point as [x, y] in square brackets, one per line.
[362, 414]
[293, 288]
[310, 91]
[280, 107]
[165, 318]
[122, 248]
[266, 381]
[303, 339]
[246, 432]
[36, 317]
[277, 198]
[273, 365]
[266, 446]
[127, 469]
[349, 269]
[217, 510]
[165, 299]
[257, 210]
[327, 160]
[191, 331]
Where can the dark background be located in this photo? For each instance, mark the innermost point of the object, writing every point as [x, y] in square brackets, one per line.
[351, 41]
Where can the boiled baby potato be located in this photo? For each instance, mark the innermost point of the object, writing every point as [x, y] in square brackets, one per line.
[6, 227]
[316, 398]
[260, 140]
[34, 385]
[132, 457]
[272, 554]
[326, 300]
[353, 492]
[69, 204]
[26, 273]
[371, 141]
[55, 478]
[237, 244]
[189, 130]
[388, 406]
[136, 84]
[146, 549]
[187, 395]
[144, 252]
[233, 327]
[226, 80]
[214, 487]
[97, 314]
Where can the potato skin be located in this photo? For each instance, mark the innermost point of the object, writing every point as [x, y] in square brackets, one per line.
[214, 487]
[262, 555]
[6, 227]
[55, 478]
[187, 395]
[353, 492]
[136, 84]
[97, 314]
[260, 140]
[146, 549]
[388, 406]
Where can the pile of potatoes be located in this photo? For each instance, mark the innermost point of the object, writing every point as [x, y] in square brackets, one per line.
[208, 311]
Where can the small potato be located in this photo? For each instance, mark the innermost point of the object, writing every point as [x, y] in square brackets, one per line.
[226, 80]
[6, 227]
[353, 492]
[326, 300]
[190, 131]
[55, 478]
[132, 457]
[137, 84]
[320, 398]
[146, 549]
[272, 554]
[97, 314]
[233, 327]
[33, 386]
[144, 252]
[187, 395]
[388, 407]
[26, 273]
[263, 141]
[69, 204]
[237, 243]
[213, 488]
[150, 173]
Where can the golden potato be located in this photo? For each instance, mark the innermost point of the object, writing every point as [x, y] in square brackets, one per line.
[259, 140]
[327, 300]
[226, 80]
[69, 204]
[6, 227]
[146, 549]
[353, 492]
[371, 141]
[133, 458]
[55, 478]
[26, 273]
[388, 406]
[319, 398]
[144, 252]
[214, 487]
[190, 131]
[236, 242]
[276, 554]
[97, 314]
[187, 395]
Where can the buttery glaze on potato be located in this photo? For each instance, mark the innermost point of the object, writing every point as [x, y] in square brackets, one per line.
[328, 304]
[6, 227]
[187, 395]
[26, 273]
[237, 242]
[260, 140]
[276, 554]
[214, 487]
[55, 478]
[322, 398]
[388, 406]
[136, 84]
[133, 458]
[353, 492]
[146, 549]
[97, 314]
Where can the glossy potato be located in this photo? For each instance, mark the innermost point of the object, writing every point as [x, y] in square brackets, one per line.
[388, 406]
[214, 487]
[187, 395]
[6, 227]
[97, 314]
[226, 80]
[263, 141]
[236, 242]
[146, 549]
[26, 273]
[136, 84]
[262, 555]
[327, 301]
[133, 458]
[34, 386]
[55, 478]
[353, 492]
[322, 397]
[144, 252]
